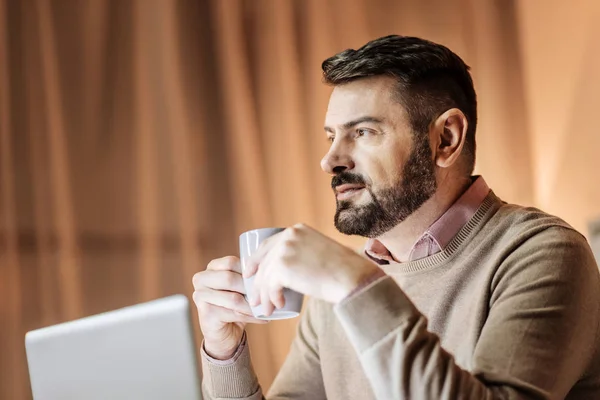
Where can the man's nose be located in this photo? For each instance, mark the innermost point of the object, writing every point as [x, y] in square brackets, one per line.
[336, 161]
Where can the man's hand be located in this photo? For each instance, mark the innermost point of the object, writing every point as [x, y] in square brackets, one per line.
[222, 309]
[304, 260]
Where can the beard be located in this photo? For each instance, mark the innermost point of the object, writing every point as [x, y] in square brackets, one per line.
[390, 206]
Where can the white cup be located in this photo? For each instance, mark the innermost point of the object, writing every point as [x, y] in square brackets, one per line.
[249, 243]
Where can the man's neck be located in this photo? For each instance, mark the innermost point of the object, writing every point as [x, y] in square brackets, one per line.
[400, 240]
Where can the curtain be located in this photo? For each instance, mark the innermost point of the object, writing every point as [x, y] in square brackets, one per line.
[139, 138]
[561, 60]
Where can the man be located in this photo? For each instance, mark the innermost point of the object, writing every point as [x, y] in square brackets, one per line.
[462, 296]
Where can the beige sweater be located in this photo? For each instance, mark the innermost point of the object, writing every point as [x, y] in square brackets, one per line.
[510, 309]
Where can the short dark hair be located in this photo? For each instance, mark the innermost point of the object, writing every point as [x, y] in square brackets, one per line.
[432, 79]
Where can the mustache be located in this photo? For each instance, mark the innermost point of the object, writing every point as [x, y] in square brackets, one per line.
[347, 177]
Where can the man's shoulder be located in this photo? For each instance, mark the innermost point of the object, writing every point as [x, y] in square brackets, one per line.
[529, 243]
[514, 231]
[512, 221]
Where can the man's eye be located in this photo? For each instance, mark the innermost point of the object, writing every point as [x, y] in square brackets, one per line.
[330, 139]
[362, 132]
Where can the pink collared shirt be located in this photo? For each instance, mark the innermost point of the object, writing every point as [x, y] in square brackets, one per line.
[442, 231]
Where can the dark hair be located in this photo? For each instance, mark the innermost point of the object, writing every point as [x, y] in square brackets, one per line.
[431, 78]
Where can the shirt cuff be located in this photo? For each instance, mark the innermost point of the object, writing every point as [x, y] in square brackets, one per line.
[229, 361]
[230, 379]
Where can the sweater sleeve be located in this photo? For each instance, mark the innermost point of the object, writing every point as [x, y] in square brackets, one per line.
[299, 378]
[230, 379]
[536, 343]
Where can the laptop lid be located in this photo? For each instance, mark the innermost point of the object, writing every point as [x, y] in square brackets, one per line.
[144, 351]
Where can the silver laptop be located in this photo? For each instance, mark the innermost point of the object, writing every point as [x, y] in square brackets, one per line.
[144, 352]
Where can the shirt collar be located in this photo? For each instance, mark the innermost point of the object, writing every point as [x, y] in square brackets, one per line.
[443, 230]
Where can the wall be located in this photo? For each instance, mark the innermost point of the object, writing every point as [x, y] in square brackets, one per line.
[560, 51]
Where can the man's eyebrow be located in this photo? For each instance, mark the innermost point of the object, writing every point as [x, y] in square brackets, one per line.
[355, 122]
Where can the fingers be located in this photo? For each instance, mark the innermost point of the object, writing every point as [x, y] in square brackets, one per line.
[212, 313]
[221, 274]
[276, 296]
[251, 268]
[267, 292]
[230, 300]
[254, 297]
[271, 299]
[265, 302]
[219, 280]
[229, 263]
[251, 264]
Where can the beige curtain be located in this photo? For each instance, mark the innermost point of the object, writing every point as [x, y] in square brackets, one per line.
[561, 69]
[138, 138]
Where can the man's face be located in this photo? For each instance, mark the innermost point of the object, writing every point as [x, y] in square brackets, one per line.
[382, 171]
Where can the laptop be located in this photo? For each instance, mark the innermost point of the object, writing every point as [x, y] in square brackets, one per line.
[146, 351]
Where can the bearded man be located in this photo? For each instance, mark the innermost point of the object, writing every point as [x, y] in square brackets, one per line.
[459, 295]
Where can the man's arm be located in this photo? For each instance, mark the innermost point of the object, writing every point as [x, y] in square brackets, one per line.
[536, 343]
[299, 378]
[230, 379]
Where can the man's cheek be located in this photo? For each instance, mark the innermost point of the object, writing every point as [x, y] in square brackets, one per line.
[383, 176]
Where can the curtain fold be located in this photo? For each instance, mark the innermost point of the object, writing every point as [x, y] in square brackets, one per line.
[58, 150]
[139, 138]
[10, 262]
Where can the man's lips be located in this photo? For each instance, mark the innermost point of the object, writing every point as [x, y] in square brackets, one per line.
[347, 186]
[347, 190]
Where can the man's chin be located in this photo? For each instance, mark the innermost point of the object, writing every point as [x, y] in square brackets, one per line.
[347, 212]
[350, 222]
[359, 219]
[351, 204]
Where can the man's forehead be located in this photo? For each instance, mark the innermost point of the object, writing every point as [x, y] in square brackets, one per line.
[374, 96]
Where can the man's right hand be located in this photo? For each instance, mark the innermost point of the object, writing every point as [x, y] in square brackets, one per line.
[222, 309]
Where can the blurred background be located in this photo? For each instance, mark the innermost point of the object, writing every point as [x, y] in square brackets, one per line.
[138, 138]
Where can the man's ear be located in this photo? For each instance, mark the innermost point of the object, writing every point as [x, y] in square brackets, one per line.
[449, 134]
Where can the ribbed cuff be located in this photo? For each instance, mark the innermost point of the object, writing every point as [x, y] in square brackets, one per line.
[230, 379]
[373, 312]
[231, 360]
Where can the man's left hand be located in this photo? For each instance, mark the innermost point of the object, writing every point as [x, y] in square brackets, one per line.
[306, 261]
